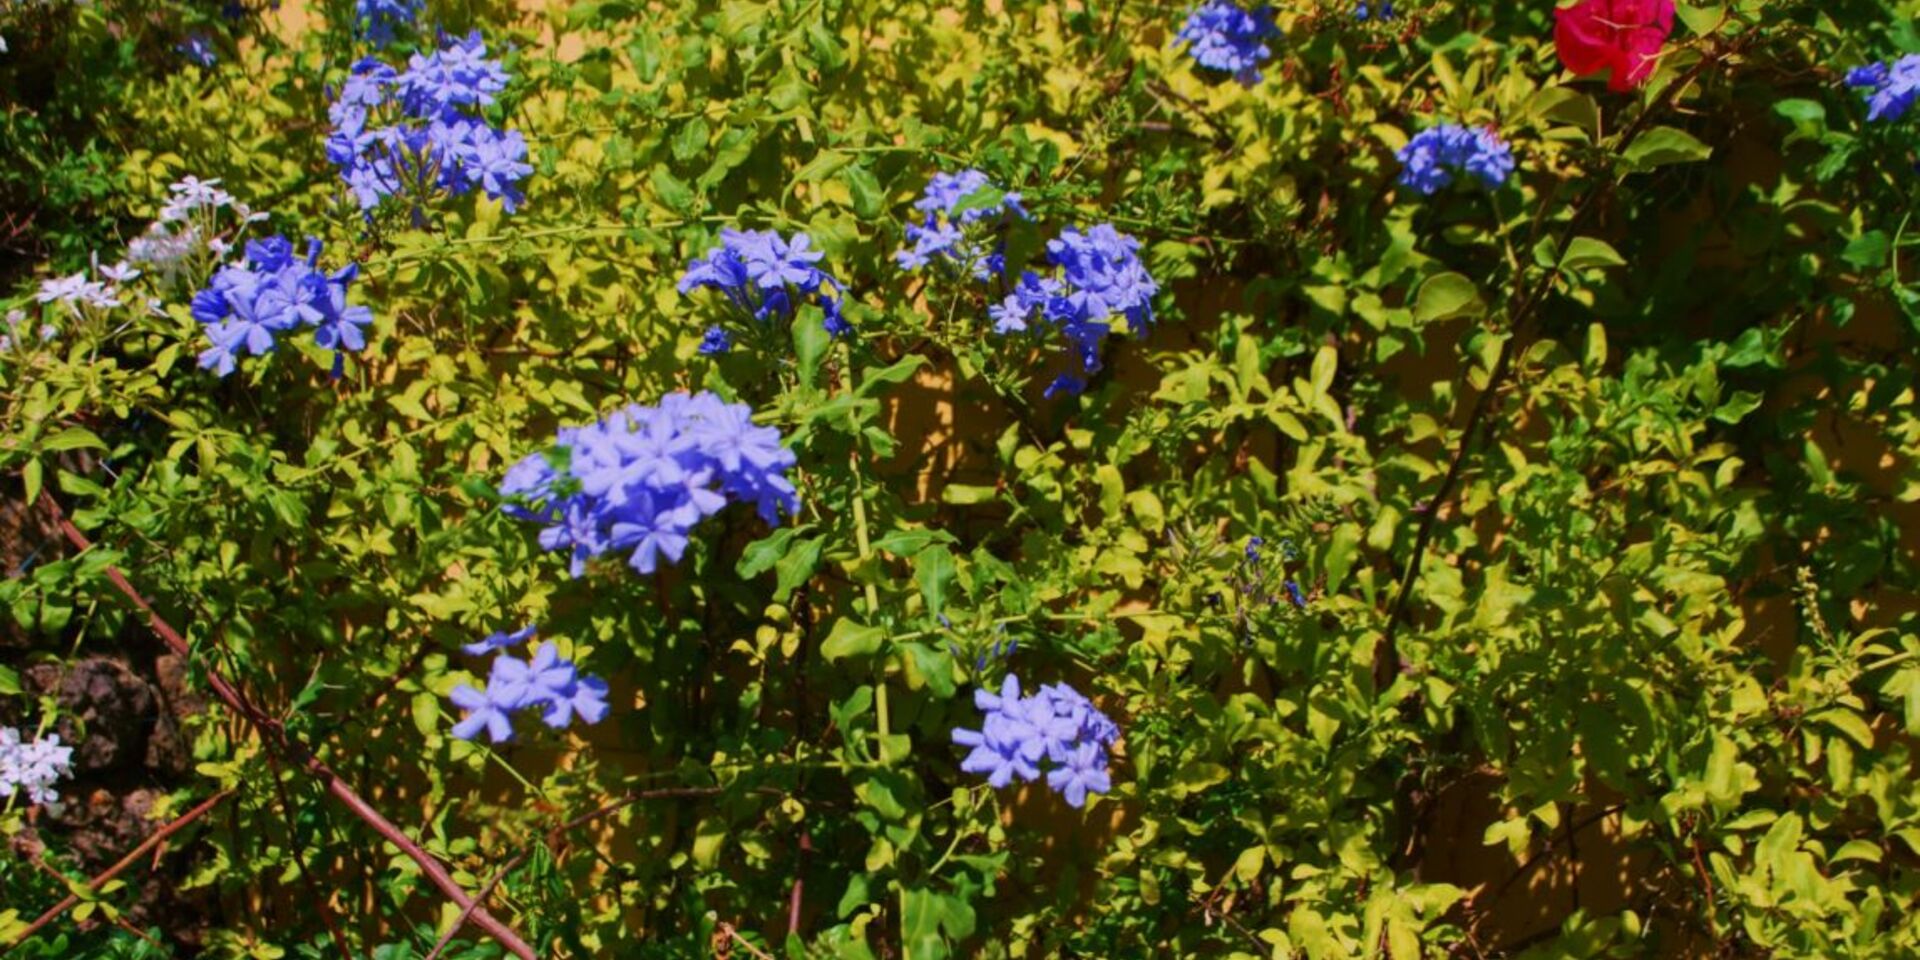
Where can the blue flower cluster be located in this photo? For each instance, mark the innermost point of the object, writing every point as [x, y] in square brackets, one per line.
[1430, 159]
[1101, 277]
[436, 138]
[198, 49]
[1223, 36]
[1890, 89]
[1362, 14]
[545, 681]
[378, 19]
[765, 278]
[642, 478]
[271, 292]
[955, 204]
[1056, 725]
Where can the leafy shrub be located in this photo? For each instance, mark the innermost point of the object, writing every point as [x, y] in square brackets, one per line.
[1499, 542]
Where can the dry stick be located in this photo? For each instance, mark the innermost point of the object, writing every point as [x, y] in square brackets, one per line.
[159, 837]
[275, 735]
[478, 899]
[1387, 657]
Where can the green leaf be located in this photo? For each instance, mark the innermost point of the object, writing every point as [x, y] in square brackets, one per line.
[762, 554]
[1869, 250]
[810, 343]
[72, 438]
[691, 139]
[796, 567]
[671, 190]
[31, 476]
[1664, 145]
[9, 681]
[900, 371]
[907, 543]
[1584, 252]
[823, 165]
[1447, 296]
[1703, 19]
[1343, 547]
[868, 197]
[933, 570]
[850, 639]
[967, 493]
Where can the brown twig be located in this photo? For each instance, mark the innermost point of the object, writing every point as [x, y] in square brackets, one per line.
[275, 736]
[159, 836]
[478, 899]
[727, 928]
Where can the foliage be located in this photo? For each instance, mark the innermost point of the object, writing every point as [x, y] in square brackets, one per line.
[1585, 490]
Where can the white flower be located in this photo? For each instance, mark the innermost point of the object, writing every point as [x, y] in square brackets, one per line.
[61, 289]
[193, 193]
[218, 246]
[33, 766]
[119, 272]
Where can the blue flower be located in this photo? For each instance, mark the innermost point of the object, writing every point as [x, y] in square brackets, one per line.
[765, 277]
[1431, 158]
[496, 641]
[641, 479]
[198, 49]
[586, 698]
[482, 714]
[1890, 89]
[379, 18]
[716, 342]
[1057, 726]
[246, 305]
[1101, 279]
[419, 131]
[957, 209]
[456, 75]
[547, 682]
[1084, 772]
[1223, 36]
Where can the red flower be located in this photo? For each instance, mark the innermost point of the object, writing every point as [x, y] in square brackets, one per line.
[1622, 36]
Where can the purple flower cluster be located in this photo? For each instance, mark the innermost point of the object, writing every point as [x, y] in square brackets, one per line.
[436, 138]
[1890, 89]
[246, 305]
[545, 681]
[1432, 157]
[765, 278]
[1056, 725]
[378, 19]
[1223, 36]
[198, 49]
[642, 478]
[954, 205]
[1100, 278]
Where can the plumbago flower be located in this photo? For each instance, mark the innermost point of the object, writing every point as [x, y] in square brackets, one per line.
[1890, 88]
[640, 480]
[1221, 35]
[1622, 37]
[545, 681]
[247, 305]
[33, 766]
[1432, 157]
[433, 137]
[1056, 726]
[960, 209]
[378, 19]
[1100, 278]
[765, 278]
